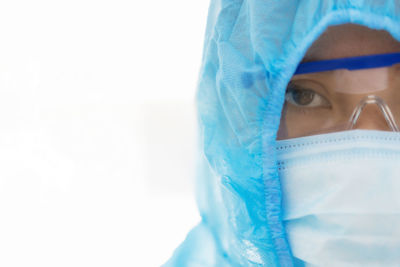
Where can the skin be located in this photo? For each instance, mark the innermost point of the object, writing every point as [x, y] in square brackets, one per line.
[350, 40]
[337, 93]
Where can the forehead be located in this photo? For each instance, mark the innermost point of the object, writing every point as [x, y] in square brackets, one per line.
[351, 40]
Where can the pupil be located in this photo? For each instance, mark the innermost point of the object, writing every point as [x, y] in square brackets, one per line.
[303, 97]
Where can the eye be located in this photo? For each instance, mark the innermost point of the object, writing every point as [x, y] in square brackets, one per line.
[303, 97]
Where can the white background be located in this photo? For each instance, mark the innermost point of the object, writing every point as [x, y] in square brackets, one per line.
[97, 130]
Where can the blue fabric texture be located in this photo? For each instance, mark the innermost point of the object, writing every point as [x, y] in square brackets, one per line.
[251, 50]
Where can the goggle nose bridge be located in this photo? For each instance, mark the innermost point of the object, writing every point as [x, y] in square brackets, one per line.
[384, 108]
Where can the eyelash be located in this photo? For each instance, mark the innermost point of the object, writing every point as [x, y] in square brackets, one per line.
[321, 100]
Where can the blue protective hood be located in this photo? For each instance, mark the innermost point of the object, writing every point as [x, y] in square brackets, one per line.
[251, 50]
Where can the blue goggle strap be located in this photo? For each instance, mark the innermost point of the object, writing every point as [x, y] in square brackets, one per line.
[351, 63]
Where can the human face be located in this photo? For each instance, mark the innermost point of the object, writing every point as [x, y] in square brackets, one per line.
[324, 101]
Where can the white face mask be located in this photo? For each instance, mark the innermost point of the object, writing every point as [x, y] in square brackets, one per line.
[341, 198]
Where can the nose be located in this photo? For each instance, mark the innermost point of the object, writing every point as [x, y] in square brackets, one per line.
[372, 117]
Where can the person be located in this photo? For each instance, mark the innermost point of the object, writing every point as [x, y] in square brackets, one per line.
[299, 120]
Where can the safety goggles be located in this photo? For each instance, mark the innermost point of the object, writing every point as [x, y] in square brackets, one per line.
[343, 94]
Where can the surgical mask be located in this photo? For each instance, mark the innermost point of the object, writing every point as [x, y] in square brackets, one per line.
[341, 187]
[341, 198]
[337, 95]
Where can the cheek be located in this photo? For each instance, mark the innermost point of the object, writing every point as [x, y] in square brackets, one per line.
[297, 122]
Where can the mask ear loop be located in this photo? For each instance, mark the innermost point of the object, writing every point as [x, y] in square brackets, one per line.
[372, 99]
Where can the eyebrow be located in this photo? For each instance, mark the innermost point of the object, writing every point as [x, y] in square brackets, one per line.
[310, 58]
